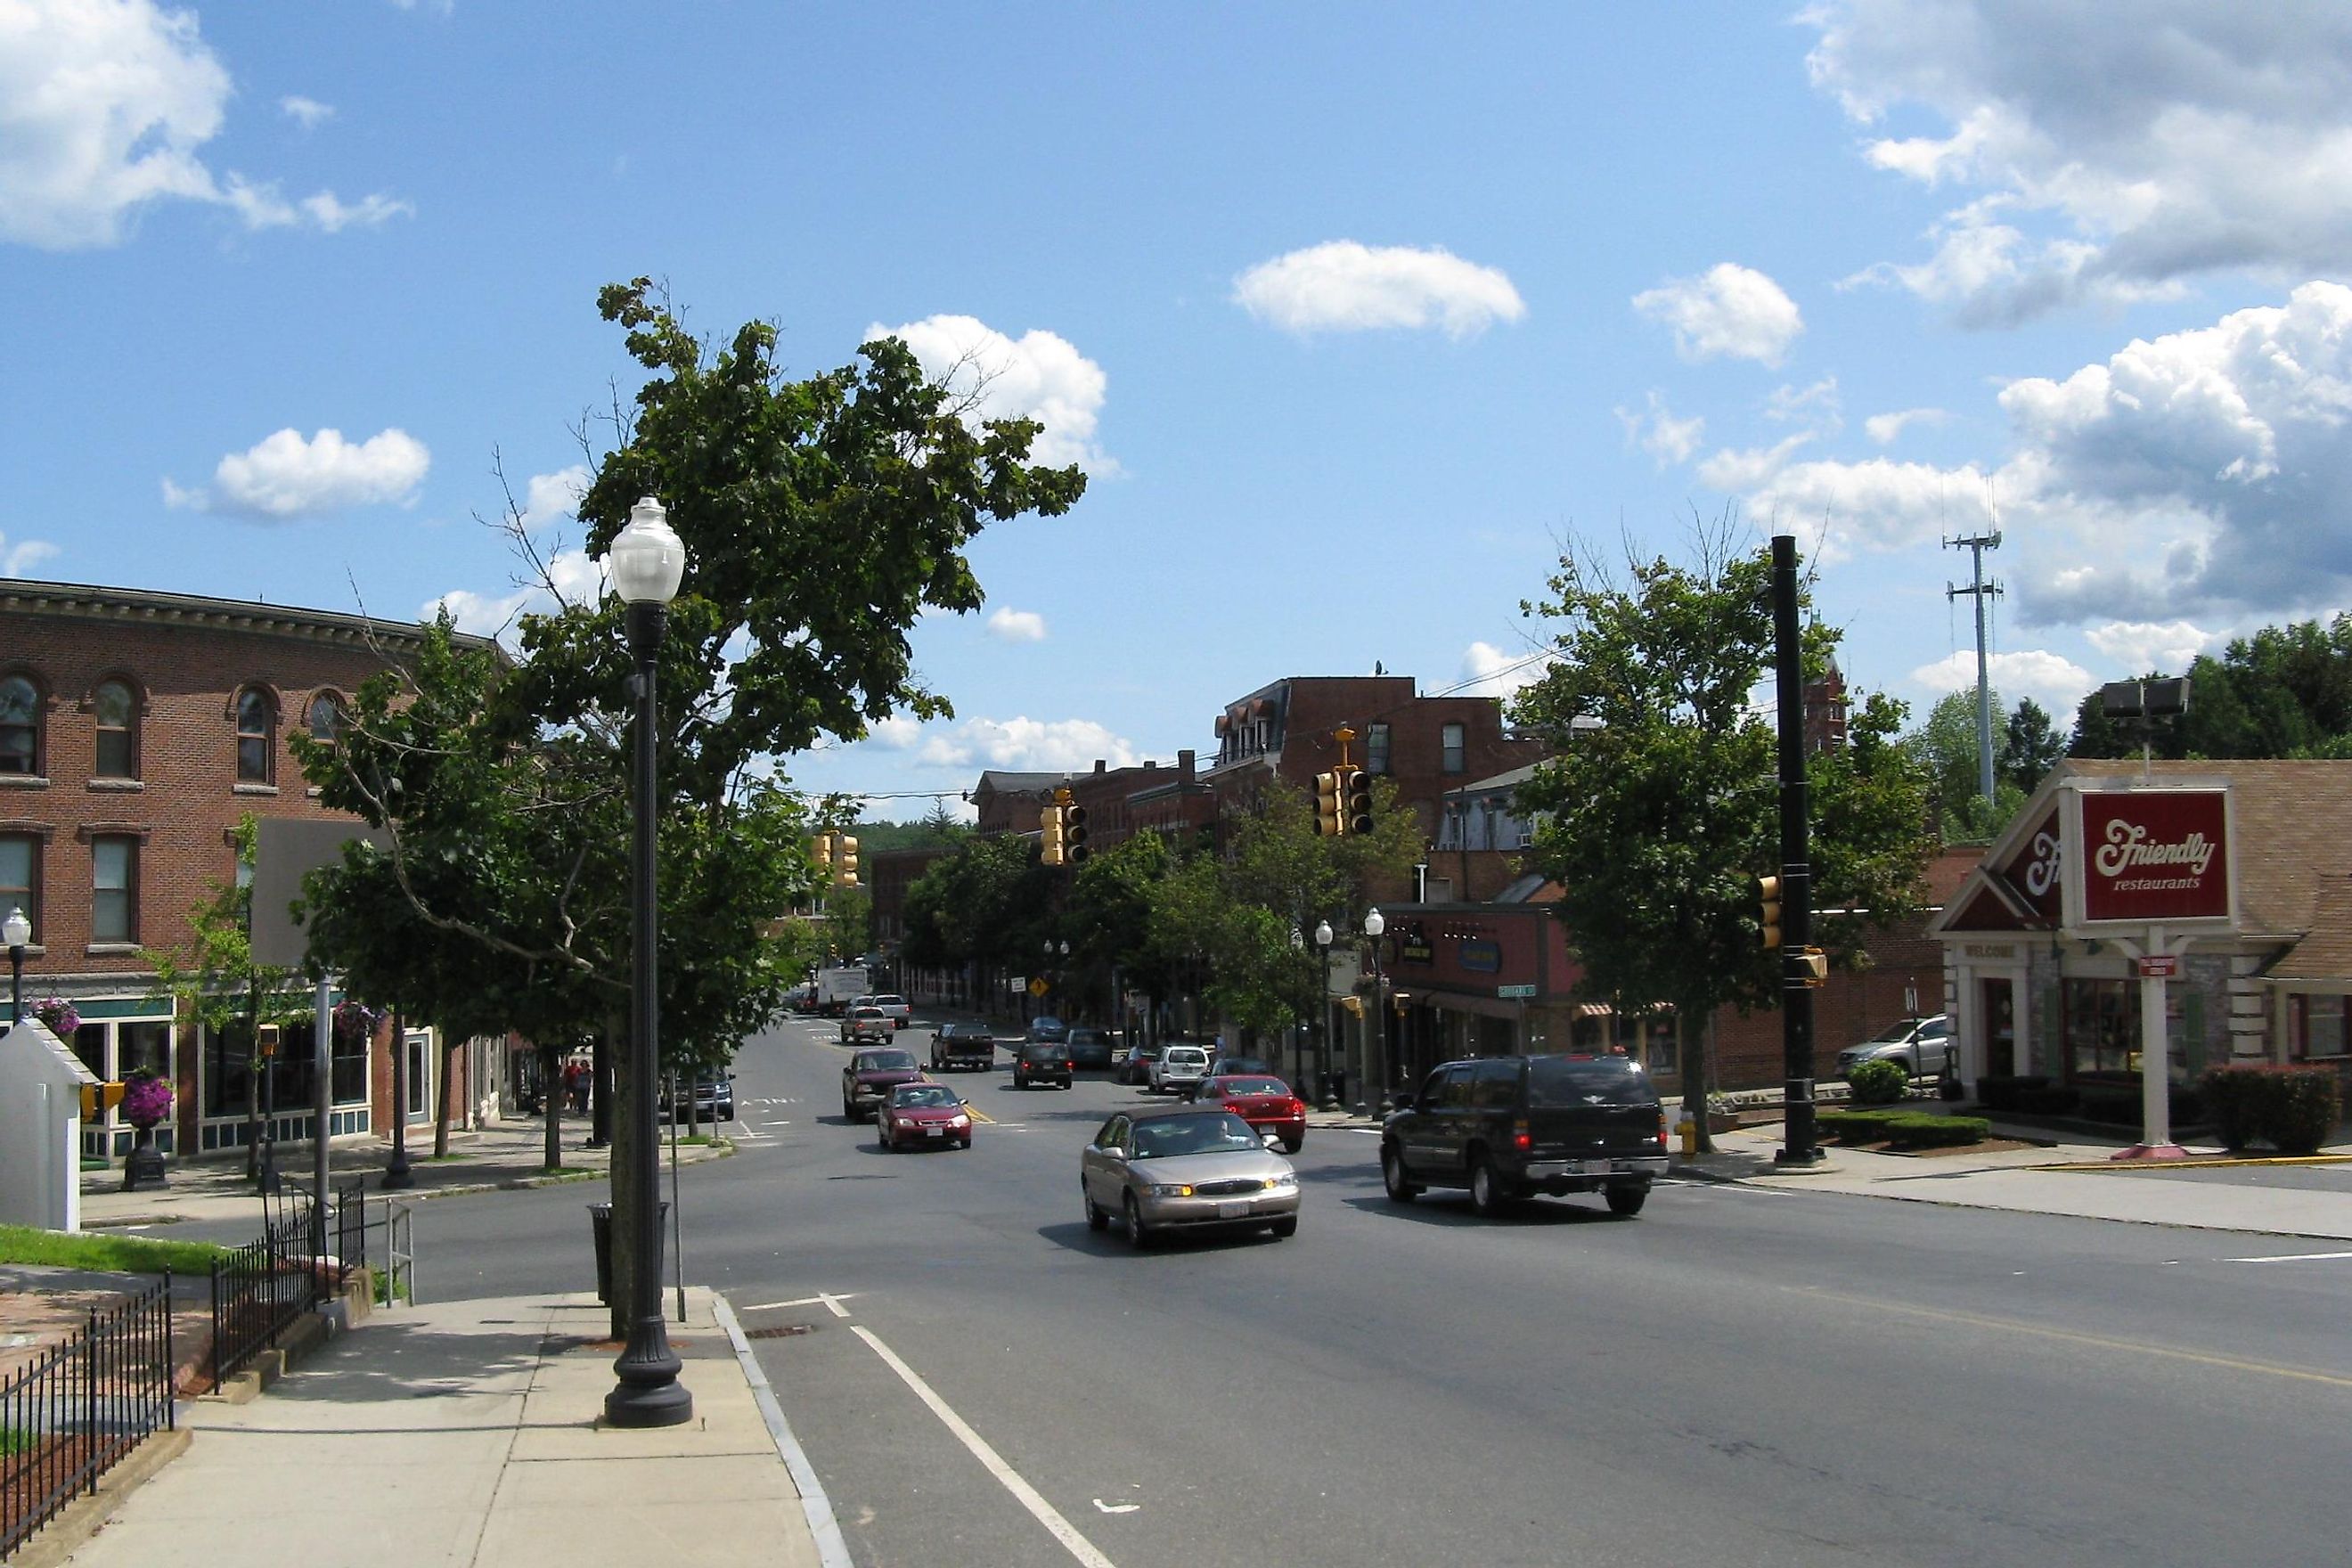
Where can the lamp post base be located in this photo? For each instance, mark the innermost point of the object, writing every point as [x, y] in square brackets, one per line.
[646, 1392]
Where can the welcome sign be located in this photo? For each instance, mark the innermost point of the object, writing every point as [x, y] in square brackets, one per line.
[2140, 856]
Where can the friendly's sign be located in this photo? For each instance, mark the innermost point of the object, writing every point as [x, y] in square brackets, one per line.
[2141, 857]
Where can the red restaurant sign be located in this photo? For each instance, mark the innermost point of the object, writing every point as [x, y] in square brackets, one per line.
[2153, 855]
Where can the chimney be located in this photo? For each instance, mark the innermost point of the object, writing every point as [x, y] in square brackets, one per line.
[1184, 766]
[1099, 764]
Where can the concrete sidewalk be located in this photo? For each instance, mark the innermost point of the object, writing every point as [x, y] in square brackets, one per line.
[469, 1434]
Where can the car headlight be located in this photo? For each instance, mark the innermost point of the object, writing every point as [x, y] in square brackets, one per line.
[958, 1120]
[1171, 1190]
[1286, 1182]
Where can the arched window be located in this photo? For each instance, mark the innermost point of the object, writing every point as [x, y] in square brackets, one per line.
[115, 707]
[20, 725]
[327, 718]
[257, 730]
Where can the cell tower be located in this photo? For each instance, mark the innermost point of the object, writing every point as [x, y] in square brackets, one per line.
[1979, 590]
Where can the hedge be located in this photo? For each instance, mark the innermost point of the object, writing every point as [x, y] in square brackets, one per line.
[1878, 1083]
[2294, 1109]
[1903, 1128]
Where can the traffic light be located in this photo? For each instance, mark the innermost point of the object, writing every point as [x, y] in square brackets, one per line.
[1049, 833]
[844, 860]
[1073, 834]
[1814, 966]
[1356, 789]
[1767, 895]
[1331, 812]
[822, 845]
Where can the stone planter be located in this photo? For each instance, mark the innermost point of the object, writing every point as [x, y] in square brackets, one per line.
[142, 1168]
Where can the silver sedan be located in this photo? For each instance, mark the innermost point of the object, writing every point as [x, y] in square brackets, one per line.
[1185, 1168]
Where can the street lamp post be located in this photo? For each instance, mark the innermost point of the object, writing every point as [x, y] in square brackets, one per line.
[1374, 924]
[19, 930]
[646, 562]
[1324, 1099]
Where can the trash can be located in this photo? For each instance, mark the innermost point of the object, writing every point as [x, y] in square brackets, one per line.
[600, 1225]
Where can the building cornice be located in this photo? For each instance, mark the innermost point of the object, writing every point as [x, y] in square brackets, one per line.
[143, 606]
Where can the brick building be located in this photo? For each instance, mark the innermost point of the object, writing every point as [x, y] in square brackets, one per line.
[137, 731]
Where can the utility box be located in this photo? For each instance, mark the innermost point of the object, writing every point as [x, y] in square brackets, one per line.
[41, 1085]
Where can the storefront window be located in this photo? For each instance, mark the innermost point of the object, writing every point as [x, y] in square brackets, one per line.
[90, 1044]
[2316, 1025]
[2102, 1027]
[143, 1046]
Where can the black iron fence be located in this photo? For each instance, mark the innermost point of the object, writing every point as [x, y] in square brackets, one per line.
[262, 1288]
[80, 1407]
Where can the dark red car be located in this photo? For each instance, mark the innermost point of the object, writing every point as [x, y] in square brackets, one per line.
[920, 1115]
[1265, 1103]
[870, 1077]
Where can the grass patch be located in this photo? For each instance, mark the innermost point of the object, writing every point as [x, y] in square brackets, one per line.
[111, 1254]
[17, 1440]
[696, 1140]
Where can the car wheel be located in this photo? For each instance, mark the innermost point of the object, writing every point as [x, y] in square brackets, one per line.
[1138, 1233]
[1095, 1218]
[848, 1111]
[1400, 1189]
[1487, 1196]
[1285, 1227]
[1627, 1201]
[1292, 1145]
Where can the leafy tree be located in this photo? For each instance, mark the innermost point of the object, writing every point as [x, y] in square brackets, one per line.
[2029, 748]
[1656, 824]
[2283, 691]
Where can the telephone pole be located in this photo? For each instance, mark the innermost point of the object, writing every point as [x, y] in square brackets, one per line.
[1979, 590]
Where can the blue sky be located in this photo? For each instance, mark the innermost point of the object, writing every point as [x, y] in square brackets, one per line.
[1355, 313]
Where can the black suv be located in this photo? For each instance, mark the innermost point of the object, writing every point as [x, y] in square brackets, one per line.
[1506, 1127]
[1041, 1061]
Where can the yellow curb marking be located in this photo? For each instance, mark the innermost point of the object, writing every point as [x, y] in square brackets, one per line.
[2134, 1347]
[2124, 1167]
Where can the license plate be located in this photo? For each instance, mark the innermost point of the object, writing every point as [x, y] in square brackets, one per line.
[1593, 1167]
[933, 1132]
[1233, 1211]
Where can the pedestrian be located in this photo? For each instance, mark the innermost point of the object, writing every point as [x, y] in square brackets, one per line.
[575, 1084]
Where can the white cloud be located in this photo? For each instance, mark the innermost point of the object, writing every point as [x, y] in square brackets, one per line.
[1884, 428]
[1344, 286]
[1657, 432]
[105, 108]
[1016, 625]
[2138, 648]
[1489, 671]
[553, 497]
[1037, 377]
[1729, 311]
[2054, 681]
[21, 557]
[1745, 469]
[578, 578]
[284, 475]
[307, 112]
[2111, 155]
[898, 732]
[1874, 504]
[1025, 745]
[1817, 407]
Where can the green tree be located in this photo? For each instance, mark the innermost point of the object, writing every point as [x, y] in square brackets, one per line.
[2031, 747]
[1656, 824]
[2281, 691]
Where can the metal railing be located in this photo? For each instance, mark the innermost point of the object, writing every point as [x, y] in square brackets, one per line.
[262, 1288]
[81, 1407]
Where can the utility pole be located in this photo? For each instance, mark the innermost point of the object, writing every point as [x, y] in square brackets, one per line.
[1800, 1145]
[1979, 590]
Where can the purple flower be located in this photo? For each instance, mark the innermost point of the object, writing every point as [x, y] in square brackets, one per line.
[146, 1099]
[57, 1015]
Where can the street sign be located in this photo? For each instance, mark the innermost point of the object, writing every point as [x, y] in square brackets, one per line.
[2159, 966]
[1510, 991]
[1038, 987]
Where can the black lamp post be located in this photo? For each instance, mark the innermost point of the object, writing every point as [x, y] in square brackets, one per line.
[646, 562]
[19, 933]
[1324, 1099]
[1375, 924]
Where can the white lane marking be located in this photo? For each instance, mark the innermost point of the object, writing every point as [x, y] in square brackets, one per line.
[1116, 1507]
[2291, 1257]
[1061, 1529]
[829, 1300]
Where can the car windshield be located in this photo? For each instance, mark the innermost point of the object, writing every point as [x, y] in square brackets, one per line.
[1252, 1086]
[923, 1094]
[1041, 1052]
[1174, 1135]
[1181, 1057]
[1894, 1032]
[1557, 1082]
[889, 1000]
[865, 1013]
[1088, 1036]
[884, 1061]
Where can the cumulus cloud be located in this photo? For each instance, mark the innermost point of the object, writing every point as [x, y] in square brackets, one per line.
[307, 112]
[1875, 504]
[1037, 377]
[1819, 406]
[1489, 671]
[21, 557]
[578, 578]
[1747, 468]
[2139, 646]
[1344, 286]
[1016, 625]
[283, 476]
[1656, 431]
[1729, 312]
[108, 108]
[2054, 681]
[552, 498]
[1884, 428]
[2104, 158]
[1025, 745]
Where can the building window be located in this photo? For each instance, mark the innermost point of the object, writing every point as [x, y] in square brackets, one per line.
[20, 881]
[116, 710]
[2101, 1025]
[20, 726]
[1451, 740]
[327, 719]
[1376, 748]
[256, 725]
[113, 889]
[2314, 1019]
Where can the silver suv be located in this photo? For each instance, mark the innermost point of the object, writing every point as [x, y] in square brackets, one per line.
[1917, 1044]
[1178, 1067]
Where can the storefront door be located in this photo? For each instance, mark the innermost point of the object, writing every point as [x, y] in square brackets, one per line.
[1998, 1008]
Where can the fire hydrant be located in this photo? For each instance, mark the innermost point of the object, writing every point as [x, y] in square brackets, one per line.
[1688, 1130]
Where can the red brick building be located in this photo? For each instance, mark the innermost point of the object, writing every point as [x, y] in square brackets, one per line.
[137, 731]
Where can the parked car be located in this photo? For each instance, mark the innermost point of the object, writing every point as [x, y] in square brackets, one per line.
[1137, 1067]
[714, 1098]
[962, 1046]
[1185, 1167]
[870, 1077]
[1506, 1127]
[1264, 1101]
[1178, 1068]
[866, 1024]
[801, 998]
[1040, 1061]
[1221, 1066]
[923, 1115]
[1089, 1048]
[895, 1007]
[1917, 1043]
[1047, 1027]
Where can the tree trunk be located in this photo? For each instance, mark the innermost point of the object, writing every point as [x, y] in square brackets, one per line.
[1698, 1071]
[551, 1097]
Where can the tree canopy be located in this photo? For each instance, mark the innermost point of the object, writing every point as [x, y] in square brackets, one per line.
[2283, 691]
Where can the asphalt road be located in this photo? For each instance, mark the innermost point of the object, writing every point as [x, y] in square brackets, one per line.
[1737, 1375]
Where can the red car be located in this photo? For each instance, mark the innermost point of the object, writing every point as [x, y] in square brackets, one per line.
[923, 1115]
[1265, 1103]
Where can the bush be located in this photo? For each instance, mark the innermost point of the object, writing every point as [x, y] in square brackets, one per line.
[2294, 1109]
[1878, 1083]
[1923, 1131]
[1854, 1126]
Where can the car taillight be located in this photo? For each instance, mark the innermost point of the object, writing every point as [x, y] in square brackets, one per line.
[1520, 1137]
[1662, 1127]
[1293, 1108]
[1069, 1066]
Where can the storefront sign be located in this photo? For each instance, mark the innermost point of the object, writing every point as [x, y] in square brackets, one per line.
[2160, 966]
[1988, 950]
[2033, 869]
[1481, 956]
[2150, 855]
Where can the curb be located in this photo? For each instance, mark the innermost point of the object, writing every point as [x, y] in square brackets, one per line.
[832, 1549]
[84, 1517]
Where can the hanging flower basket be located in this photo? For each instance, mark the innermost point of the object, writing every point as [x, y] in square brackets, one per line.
[355, 1021]
[57, 1015]
[146, 1101]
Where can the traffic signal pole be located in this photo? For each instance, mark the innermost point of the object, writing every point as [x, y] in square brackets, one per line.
[1799, 1142]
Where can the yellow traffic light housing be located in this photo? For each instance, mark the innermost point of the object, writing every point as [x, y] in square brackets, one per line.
[1768, 896]
[1049, 834]
[1815, 965]
[1331, 811]
[1356, 801]
[844, 860]
[1073, 834]
[822, 847]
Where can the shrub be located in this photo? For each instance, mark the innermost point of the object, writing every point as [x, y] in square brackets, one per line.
[2294, 1109]
[1878, 1083]
[1923, 1131]
[1854, 1126]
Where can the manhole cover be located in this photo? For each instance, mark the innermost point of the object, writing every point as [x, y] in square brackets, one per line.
[779, 1332]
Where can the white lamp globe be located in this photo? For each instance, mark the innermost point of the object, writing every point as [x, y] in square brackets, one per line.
[646, 560]
[1322, 933]
[1374, 923]
[17, 930]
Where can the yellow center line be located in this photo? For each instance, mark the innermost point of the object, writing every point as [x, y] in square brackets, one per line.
[2064, 1336]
